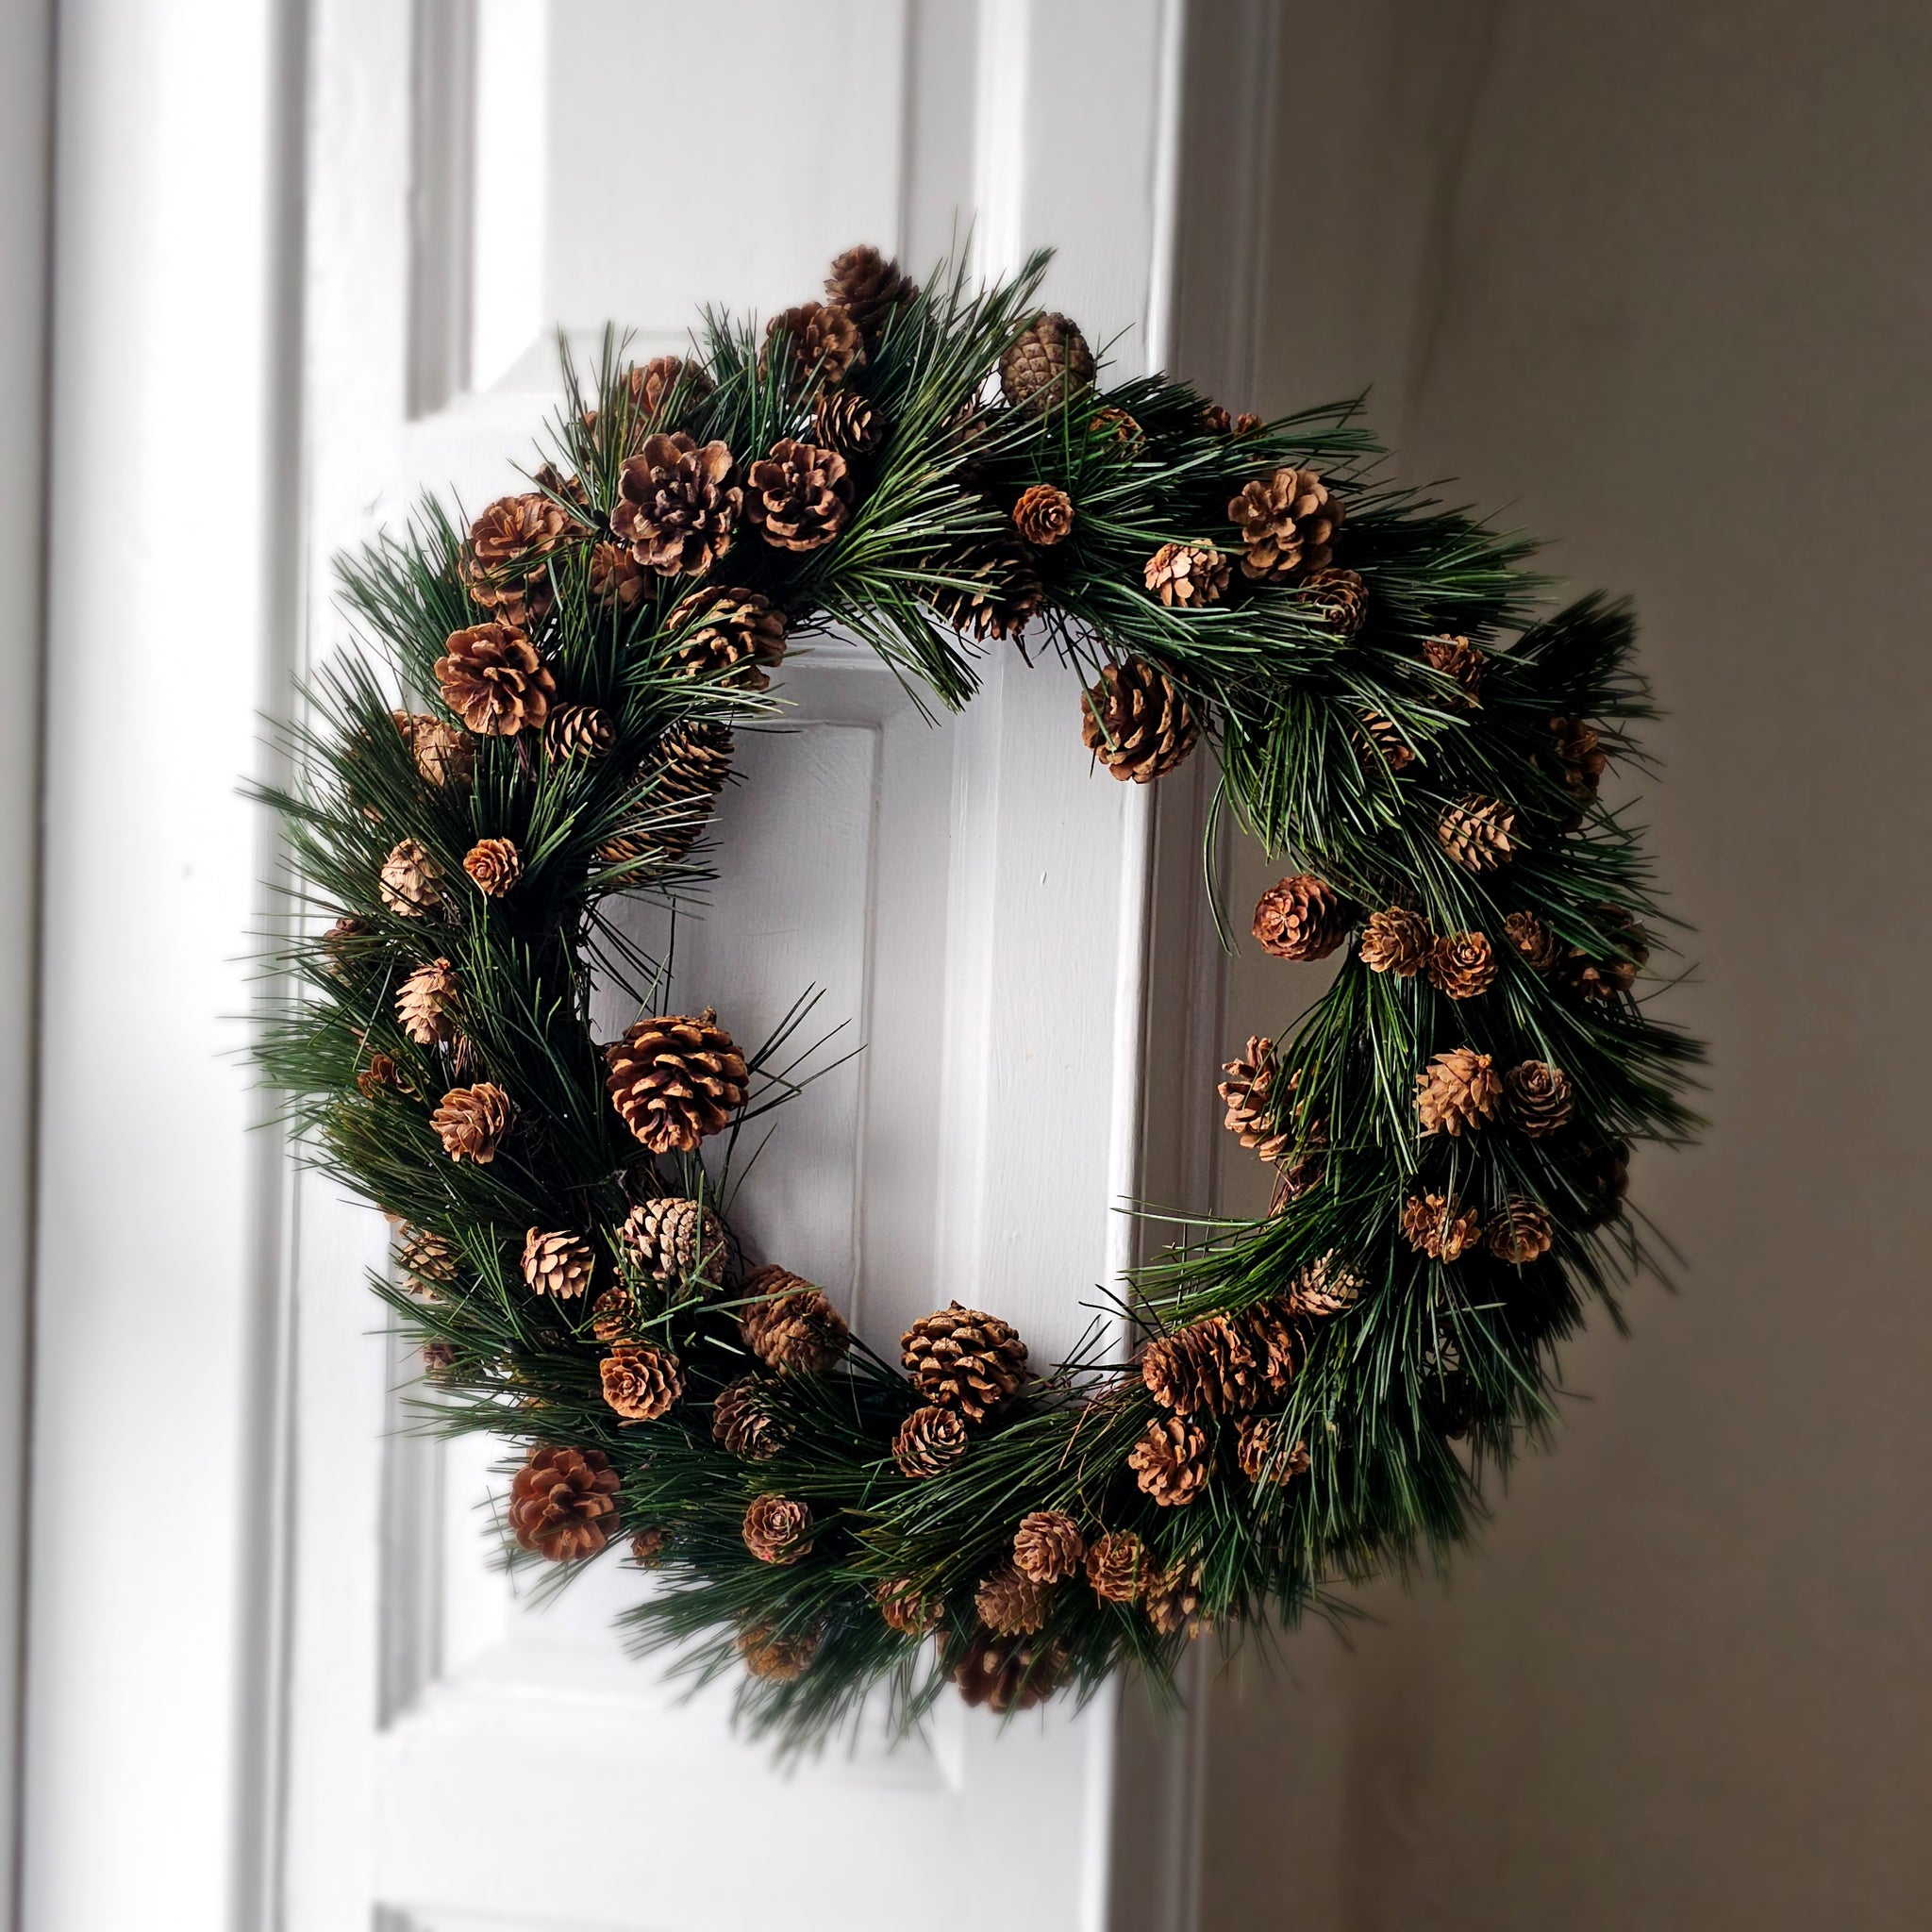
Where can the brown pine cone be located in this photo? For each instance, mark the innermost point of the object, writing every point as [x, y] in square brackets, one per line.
[799, 495]
[1276, 1340]
[1043, 515]
[1397, 940]
[557, 1263]
[724, 635]
[789, 1325]
[1205, 1364]
[964, 1358]
[675, 1079]
[1048, 1546]
[504, 567]
[1215, 420]
[1288, 524]
[443, 754]
[1579, 757]
[1173, 1598]
[647, 1547]
[677, 787]
[1440, 1228]
[471, 1122]
[847, 422]
[1116, 426]
[611, 1314]
[563, 1503]
[1187, 575]
[1010, 1605]
[1380, 742]
[678, 505]
[646, 395]
[777, 1530]
[1048, 366]
[1534, 940]
[870, 288]
[617, 577]
[1117, 1567]
[1458, 1092]
[1305, 1169]
[1246, 422]
[928, 1443]
[426, 1004]
[905, 1609]
[1173, 1461]
[381, 1075]
[1135, 722]
[1520, 1234]
[1475, 832]
[991, 589]
[1614, 969]
[1459, 660]
[494, 866]
[1461, 965]
[1338, 598]
[1255, 1451]
[1248, 1092]
[744, 1423]
[641, 1381]
[1540, 1099]
[492, 679]
[436, 1357]
[815, 343]
[1603, 1179]
[1007, 1673]
[428, 1260]
[675, 1242]
[410, 880]
[774, 1659]
[1302, 919]
[1324, 1288]
[577, 731]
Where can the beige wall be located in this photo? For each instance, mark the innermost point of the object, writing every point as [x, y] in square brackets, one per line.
[1657, 277]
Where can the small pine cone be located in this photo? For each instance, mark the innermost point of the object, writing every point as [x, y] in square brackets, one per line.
[725, 637]
[1117, 1567]
[1215, 420]
[1048, 1546]
[1048, 366]
[678, 505]
[1276, 1340]
[340, 950]
[1008, 1673]
[494, 866]
[1437, 1226]
[411, 880]
[1397, 940]
[1173, 1599]
[773, 1659]
[1381, 742]
[1540, 1099]
[815, 343]
[1324, 1288]
[503, 568]
[1603, 1179]
[1338, 598]
[563, 1503]
[1305, 1169]
[577, 731]
[1187, 575]
[1135, 723]
[928, 1443]
[611, 1314]
[870, 288]
[428, 1260]
[1459, 660]
[1288, 524]
[1302, 919]
[1520, 1234]
[677, 788]
[557, 1263]
[1255, 1451]
[1461, 965]
[1009, 1604]
[1458, 1092]
[641, 1381]
[1043, 515]
[1475, 832]
[1538, 944]
[1118, 427]
[964, 1358]
[617, 577]
[437, 1357]
[1205, 1364]
[1605, 978]
[426, 1004]
[1248, 1092]
[777, 1530]
[651, 388]
[799, 495]
[1579, 757]
[906, 1610]
[675, 1242]
[1173, 1461]
[675, 1079]
[647, 1548]
[492, 678]
[443, 754]
[744, 1423]
[381, 1075]
[471, 1122]
[991, 589]
[789, 1325]
[847, 422]
[1246, 422]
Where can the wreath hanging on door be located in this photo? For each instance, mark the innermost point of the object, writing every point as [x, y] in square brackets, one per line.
[542, 727]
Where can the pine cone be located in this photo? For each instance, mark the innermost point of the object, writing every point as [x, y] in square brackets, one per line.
[1173, 1598]
[847, 422]
[1397, 940]
[1302, 919]
[428, 1260]
[1538, 944]
[1541, 1099]
[1457, 1091]
[676, 1241]
[617, 577]
[646, 395]
[1135, 723]
[1205, 1364]
[1255, 1451]
[1603, 1179]
[1048, 1546]
[1116, 426]
[410, 880]
[777, 1530]
[1248, 1092]
[773, 1659]
[871, 288]
[1380, 742]
[789, 1325]
[964, 1358]
[1215, 420]
[437, 1357]
[641, 1381]
[1307, 1170]
[647, 1547]
[1579, 757]
[1276, 1340]
[799, 495]
[678, 787]
[928, 1443]
[1043, 515]
[494, 866]
[1288, 524]
[905, 1609]
[611, 1314]
[381, 1075]
[1461, 965]
[816, 342]
[563, 1503]
[992, 591]
[1173, 1461]
[577, 731]
[443, 754]
[471, 1122]
[1520, 1234]
[1010, 1605]
[744, 1423]
[1008, 1673]
[557, 1264]
[1475, 832]
[492, 679]
[1187, 575]
[1324, 1288]
[426, 1004]
[1048, 366]
[675, 1079]
[1338, 598]
[1459, 660]
[1438, 1228]
[1603, 978]
[678, 505]
[503, 568]
[724, 635]
[1117, 1567]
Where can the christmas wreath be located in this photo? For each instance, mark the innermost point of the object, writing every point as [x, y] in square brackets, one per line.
[541, 724]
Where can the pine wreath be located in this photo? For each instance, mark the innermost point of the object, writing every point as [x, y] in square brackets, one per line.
[521, 741]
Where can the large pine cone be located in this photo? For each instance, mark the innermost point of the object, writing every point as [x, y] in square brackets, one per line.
[577, 731]
[1476, 833]
[1048, 366]
[1173, 1461]
[744, 1423]
[1396, 940]
[410, 880]
[815, 343]
[492, 679]
[928, 1443]
[426, 1004]
[870, 288]
[777, 1530]
[675, 1079]
[563, 1503]
[641, 1381]
[1324, 1288]
[1301, 918]
[1006, 1674]
[504, 567]
[1207, 1364]
[1255, 1451]
[1461, 965]
[1520, 1234]
[964, 1358]
[1117, 1567]
[1438, 1228]
[1288, 524]
[1048, 1546]
[676, 789]
[471, 1122]
[991, 591]
[789, 1325]
[678, 505]
[846, 421]
[1459, 660]
[646, 395]
[1458, 1092]
[1186, 575]
[557, 1263]
[1135, 722]
[1538, 946]
[443, 755]
[799, 495]
[1011, 1604]
[1540, 1099]
[675, 1242]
